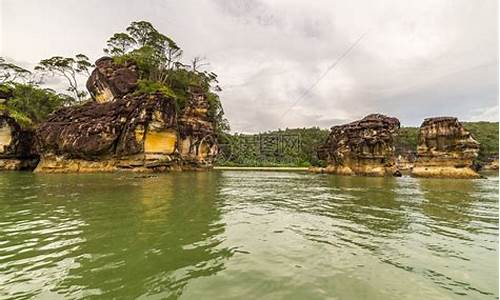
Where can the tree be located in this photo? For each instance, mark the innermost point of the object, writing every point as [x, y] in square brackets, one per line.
[68, 68]
[119, 44]
[10, 72]
[143, 33]
[37, 103]
[158, 58]
[198, 62]
[29, 104]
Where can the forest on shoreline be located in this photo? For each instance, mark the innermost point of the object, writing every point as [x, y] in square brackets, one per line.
[297, 147]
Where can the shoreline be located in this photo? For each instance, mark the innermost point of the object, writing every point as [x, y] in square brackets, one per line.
[260, 168]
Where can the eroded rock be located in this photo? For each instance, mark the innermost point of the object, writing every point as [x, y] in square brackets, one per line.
[445, 149]
[364, 147]
[16, 145]
[110, 81]
[197, 138]
[135, 131]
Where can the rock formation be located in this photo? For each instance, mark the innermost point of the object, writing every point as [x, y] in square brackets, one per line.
[110, 81]
[445, 149]
[364, 147]
[124, 129]
[16, 151]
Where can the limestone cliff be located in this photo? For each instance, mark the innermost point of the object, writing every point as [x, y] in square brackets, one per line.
[364, 147]
[125, 129]
[445, 149]
[16, 151]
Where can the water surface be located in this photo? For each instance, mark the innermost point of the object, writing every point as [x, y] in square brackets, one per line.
[247, 235]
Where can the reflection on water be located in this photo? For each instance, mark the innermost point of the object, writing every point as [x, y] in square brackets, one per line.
[111, 236]
[251, 235]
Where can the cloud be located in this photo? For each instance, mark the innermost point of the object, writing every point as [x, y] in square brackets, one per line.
[418, 58]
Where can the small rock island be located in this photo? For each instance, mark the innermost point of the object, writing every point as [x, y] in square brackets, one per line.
[445, 149]
[364, 147]
[125, 129]
[147, 112]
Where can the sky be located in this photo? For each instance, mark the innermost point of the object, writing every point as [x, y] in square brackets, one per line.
[291, 63]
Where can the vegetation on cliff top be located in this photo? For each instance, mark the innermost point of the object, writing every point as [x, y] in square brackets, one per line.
[158, 58]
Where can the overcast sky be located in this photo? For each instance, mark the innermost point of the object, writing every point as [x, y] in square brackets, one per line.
[417, 58]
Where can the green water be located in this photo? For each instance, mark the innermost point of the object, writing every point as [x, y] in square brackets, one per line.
[247, 235]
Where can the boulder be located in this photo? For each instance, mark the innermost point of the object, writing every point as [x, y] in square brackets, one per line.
[364, 147]
[445, 149]
[110, 81]
[16, 145]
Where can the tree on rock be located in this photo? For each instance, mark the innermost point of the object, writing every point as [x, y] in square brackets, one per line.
[10, 72]
[119, 44]
[158, 59]
[69, 69]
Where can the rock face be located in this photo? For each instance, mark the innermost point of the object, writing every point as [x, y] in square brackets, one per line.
[364, 147]
[16, 151]
[110, 81]
[445, 149]
[134, 132]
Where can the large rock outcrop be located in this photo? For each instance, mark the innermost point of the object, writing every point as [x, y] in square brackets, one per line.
[110, 81]
[364, 147]
[16, 145]
[134, 131]
[445, 149]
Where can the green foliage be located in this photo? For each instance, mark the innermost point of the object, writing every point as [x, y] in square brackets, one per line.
[30, 104]
[406, 141]
[487, 134]
[158, 59]
[143, 33]
[119, 44]
[152, 87]
[286, 148]
[22, 119]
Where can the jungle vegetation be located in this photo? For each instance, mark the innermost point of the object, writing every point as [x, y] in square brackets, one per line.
[277, 148]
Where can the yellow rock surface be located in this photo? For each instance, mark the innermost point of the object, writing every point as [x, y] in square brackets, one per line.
[5, 137]
[444, 172]
[104, 96]
[160, 141]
